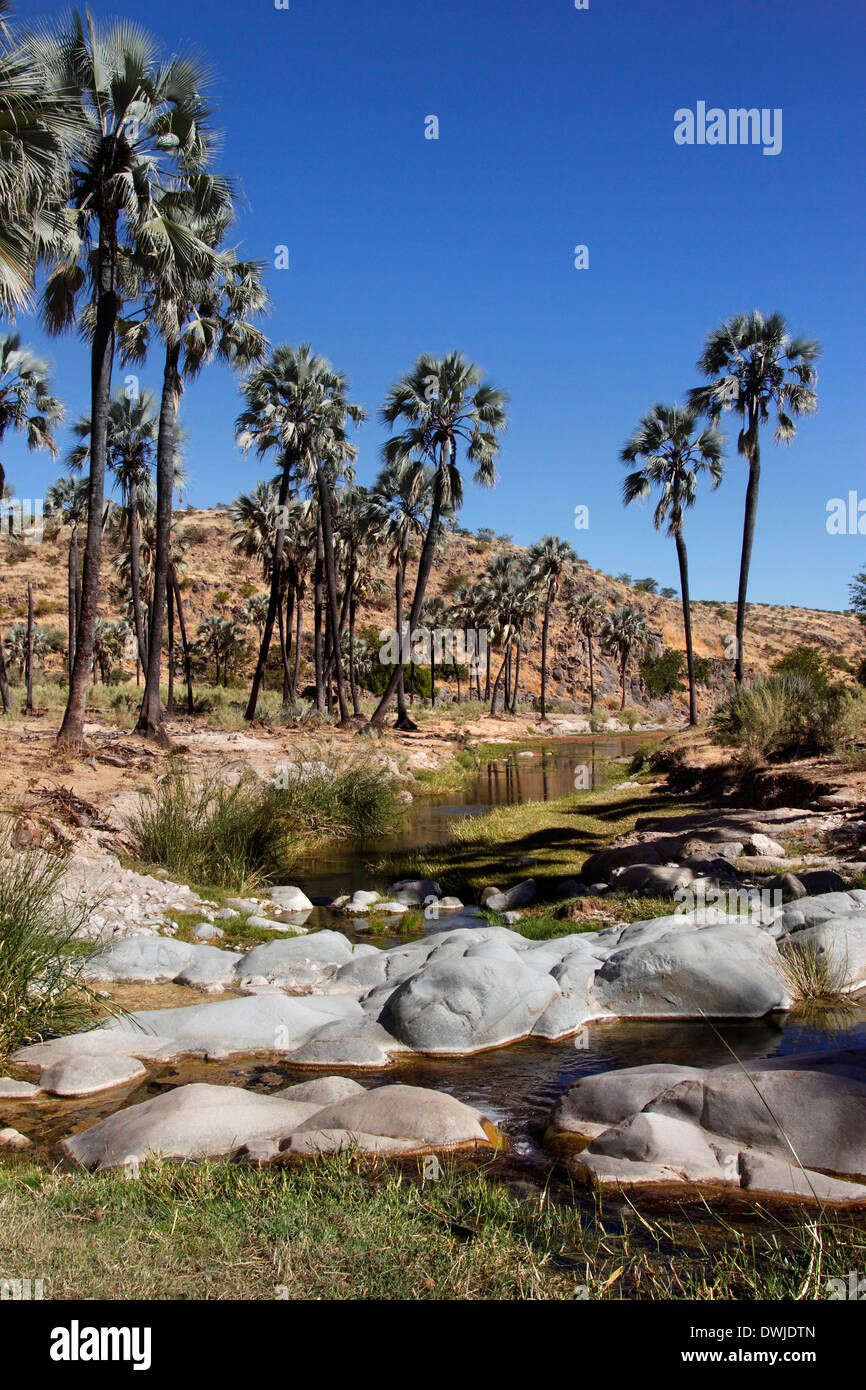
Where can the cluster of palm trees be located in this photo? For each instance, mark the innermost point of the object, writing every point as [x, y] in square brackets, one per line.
[108, 188]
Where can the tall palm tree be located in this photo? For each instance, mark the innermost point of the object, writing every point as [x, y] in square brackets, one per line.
[39, 130]
[551, 560]
[445, 405]
[201, 298]
[503, 585]
[755, 368]
[586, 614]
[399, 508]
[674, 454]
[66, 505]
[145, 124]
[622, 631]
[130, 453]
[27, 407]
[297, 404]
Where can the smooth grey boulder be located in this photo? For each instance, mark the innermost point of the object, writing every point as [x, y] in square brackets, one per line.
[195, 1121]
[521, 895]
[807, 912]
[241, 906]
[324, 1090]
[10, 1089]
[465, 1005]
[290, 898]
[573, 1006]
[652, 880]
[149, 959]
[276, 959]
[415, 892]
[820, 1114]
[210, 968]
[206, 931]
[675, 1149]
[610, 1097]
[839, 943]
[599, 866]
[86, 1076]
[427, 1117]
[717, 971]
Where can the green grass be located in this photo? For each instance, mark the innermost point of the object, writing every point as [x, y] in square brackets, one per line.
[40, 959]
[344, 1228]
[240, 835]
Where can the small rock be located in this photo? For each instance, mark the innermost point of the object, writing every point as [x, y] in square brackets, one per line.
[11, 1139]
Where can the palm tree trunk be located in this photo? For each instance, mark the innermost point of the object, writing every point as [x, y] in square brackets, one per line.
[754, 457]
[516, 678]
[135, 573]
[71, 732]
[298, 630]
[150, 717]
[72, 598]
[591, 676]
[318, 650]
[623, 665]
[290, 627]
[28, 707]
[544, 631]
[170, 613]
[403, 720]
[273, 602]
[499, 678]
[331, 585]
[353, 672]
[425, 564]
[187, 655]
[687, 625]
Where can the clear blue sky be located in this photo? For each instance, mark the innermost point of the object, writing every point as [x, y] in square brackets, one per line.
[556, 128]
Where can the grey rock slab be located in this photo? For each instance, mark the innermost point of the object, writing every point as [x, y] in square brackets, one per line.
[150, 960]
[521, 895]
[10, 1089]
[209, 967]
[316, 1141]
[324, 1090]
[839, 943]
[417, 1113]
[290, 898]
[195, 1121]
[415, 892]
[718, 971]
[760, 1172]
[88, 1075]
[612, 1096]
[275, 958]
[465, 1005]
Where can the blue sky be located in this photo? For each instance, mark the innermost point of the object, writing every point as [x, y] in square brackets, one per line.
[555, 129]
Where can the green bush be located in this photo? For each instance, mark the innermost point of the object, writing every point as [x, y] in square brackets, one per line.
[806, 662]
[663, 675]
[40, 989]
[780, 717]
[238, 835]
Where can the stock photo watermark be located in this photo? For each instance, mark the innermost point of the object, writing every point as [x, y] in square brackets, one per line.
[736, 126]
[846, 516]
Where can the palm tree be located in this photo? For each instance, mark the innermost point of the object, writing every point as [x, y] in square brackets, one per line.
[144, 124]
[503, 585]
[110, 639]
[674, 454]
[586, 613]
[26, 406]
[551, 560]
[39, 130]
[621, 631]
[297, 404]
[66, 504]
[130, 452]
[755, 367]
[446, 405]
[201, 299]
[434, 616]
[399, 507]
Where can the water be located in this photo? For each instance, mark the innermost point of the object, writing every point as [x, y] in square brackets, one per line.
[551, 769]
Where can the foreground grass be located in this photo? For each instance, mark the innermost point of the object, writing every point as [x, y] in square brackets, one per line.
[340, 1228]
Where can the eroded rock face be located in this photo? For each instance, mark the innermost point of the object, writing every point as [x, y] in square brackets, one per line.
[793, 1125]
[203, 1121]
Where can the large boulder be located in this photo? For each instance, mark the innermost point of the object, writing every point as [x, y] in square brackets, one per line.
[430, 1119]
[149, 959]
[717, 971]
[466, 1005]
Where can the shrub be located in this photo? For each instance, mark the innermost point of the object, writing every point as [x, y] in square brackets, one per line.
[662, 675]
[240, 834]
[805, 661]
[779, 717]
[40, 989]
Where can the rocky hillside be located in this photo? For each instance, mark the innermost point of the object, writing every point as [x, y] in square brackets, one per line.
[219, 581]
